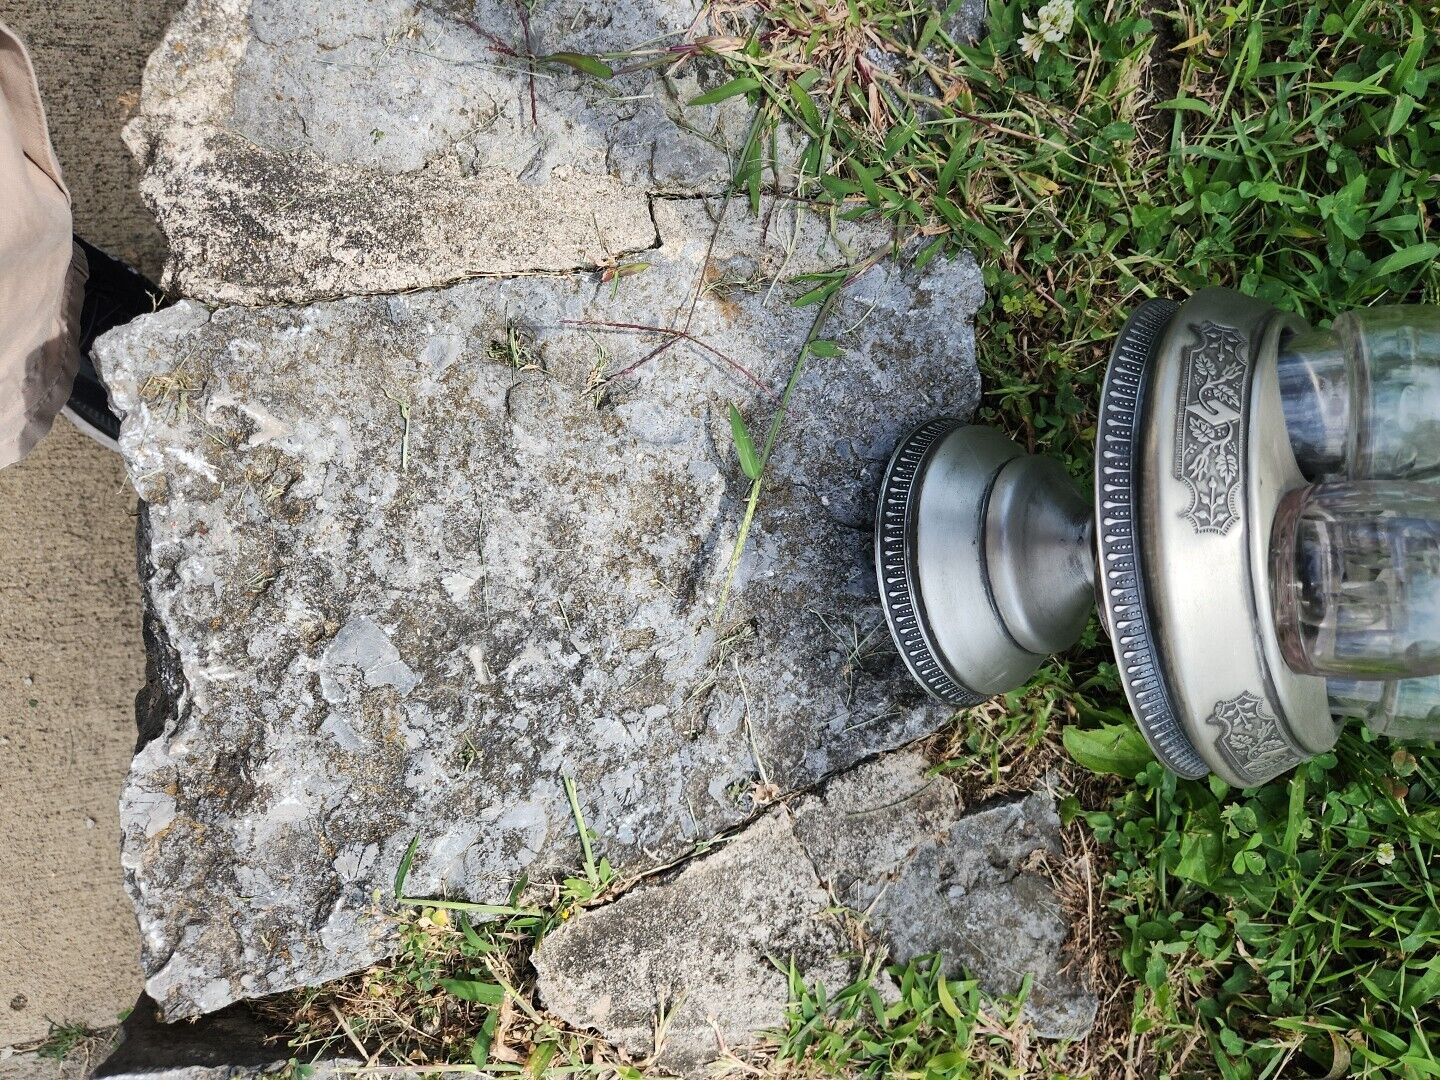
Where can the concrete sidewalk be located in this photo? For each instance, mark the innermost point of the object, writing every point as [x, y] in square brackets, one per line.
[70, 652]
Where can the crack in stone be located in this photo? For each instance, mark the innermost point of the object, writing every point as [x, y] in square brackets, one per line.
[579, 270]
[848, 822]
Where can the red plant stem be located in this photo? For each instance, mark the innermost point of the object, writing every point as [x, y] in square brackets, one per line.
[496, 45]
[673, 336]
[500, 48]
[646, 358]
[529, 60]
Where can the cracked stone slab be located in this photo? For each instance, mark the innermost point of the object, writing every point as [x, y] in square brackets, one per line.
[411, 561]
[302, 151]
[886, 839]
[698, 951]
[894, 842]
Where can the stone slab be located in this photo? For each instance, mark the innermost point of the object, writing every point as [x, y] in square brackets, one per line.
[411, 561]
[686, 971]
[893, 842]
[298, 151]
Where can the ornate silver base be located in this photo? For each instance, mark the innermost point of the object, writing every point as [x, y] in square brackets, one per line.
[984, 559]
[987, 557]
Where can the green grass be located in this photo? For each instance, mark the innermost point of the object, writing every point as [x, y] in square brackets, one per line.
[458, 995]
[1292, 151]
[1166, 148]
[65, 1039]
[933, 1027]
[1291, 929]
[455, 995]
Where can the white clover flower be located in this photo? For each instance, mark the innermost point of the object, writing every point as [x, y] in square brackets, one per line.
[1051, 24]
[1385, 853]
[1057, 17]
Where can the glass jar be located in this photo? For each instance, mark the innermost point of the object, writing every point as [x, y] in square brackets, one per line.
[1362, 399]
[1399, 708]
[1355, 579]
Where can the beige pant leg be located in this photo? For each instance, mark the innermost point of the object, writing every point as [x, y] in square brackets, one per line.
[42, 272]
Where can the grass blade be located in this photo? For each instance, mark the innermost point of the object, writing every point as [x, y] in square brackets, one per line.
[749, 459]
[403, 871]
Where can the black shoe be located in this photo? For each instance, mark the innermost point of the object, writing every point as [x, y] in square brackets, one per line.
[114, 294]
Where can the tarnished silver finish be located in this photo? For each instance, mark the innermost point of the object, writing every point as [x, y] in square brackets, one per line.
[931, 560]
[1124, 601]
[1204, 532]
[1248, 738]
[897, 566]
[988, 561]
[1039, 554]
[1210, 433]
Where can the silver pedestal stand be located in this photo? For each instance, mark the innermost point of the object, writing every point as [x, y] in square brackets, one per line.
[989, 559]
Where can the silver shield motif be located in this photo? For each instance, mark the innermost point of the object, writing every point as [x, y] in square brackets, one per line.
[1210, 426]
[1250, 739]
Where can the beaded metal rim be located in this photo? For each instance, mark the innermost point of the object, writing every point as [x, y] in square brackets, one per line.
[1122, 585]
[895, 564]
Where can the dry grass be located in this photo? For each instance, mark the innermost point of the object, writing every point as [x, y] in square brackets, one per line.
[400, 1014]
